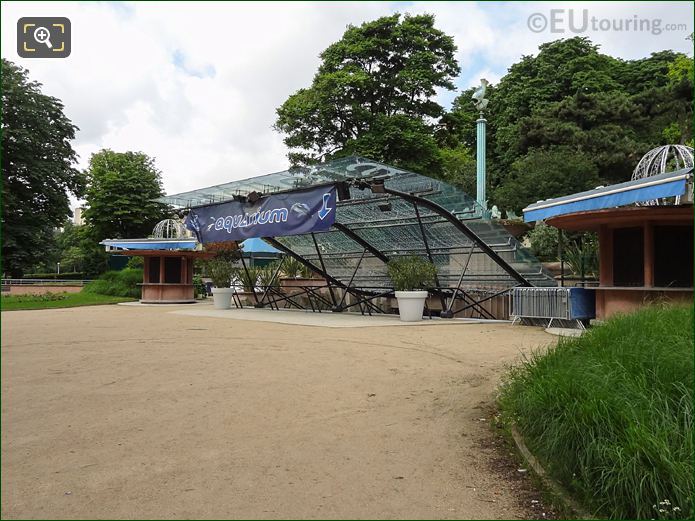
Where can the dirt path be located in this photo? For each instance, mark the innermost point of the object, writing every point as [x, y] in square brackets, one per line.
[126, 412]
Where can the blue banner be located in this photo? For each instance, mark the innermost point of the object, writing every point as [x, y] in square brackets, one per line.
[274, 215]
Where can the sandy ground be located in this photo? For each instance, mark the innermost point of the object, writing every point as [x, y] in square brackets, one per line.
[135, 412]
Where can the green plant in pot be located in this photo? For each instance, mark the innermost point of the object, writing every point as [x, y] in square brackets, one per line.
[293, 269]
[411, 276]
[248, 278]
[267, 278]
[221, 271]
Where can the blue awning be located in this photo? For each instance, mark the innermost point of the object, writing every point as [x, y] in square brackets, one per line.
[670, 184]
[258, 246]
[150, 244]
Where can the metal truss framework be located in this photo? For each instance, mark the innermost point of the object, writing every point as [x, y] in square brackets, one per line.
[383, 213]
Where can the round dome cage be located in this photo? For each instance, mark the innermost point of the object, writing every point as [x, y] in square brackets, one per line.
[170, 229]
[659, 160]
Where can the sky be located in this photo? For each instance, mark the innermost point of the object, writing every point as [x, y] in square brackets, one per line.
[196, 85]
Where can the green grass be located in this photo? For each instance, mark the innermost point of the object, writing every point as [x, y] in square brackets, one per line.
[57, 300]
[610, 414]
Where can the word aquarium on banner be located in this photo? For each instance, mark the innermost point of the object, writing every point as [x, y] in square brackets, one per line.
[274, 215]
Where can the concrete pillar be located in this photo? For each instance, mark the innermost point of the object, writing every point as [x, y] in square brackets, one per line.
[161, 269]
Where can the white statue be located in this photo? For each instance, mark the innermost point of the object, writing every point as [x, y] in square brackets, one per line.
[479, 95]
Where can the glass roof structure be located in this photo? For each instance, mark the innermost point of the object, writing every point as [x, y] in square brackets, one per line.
[386, 212]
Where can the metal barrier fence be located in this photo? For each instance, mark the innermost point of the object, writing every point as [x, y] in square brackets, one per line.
[566, 304]
[50, 282]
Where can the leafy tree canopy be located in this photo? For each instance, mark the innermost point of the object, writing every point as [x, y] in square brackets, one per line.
[37, 168]
[579, 107]
[120, 193]
[373, 95]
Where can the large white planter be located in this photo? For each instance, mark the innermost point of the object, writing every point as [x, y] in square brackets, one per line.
[222, 297]
[411, 305]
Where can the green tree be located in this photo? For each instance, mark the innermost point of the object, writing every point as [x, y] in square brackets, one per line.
[546, 173]
[458, 168]
[37, 168]
[571, 99]
[373, 95]
[120, 192]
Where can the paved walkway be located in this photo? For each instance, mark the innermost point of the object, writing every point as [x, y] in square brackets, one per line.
[138, 412]
[310, 318]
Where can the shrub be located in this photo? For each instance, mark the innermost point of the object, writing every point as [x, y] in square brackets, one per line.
[291, 267]
[123, 283]
[136, 262]
[43, 297]
[586, 255]
[543, 239]
[248, 277]
[611, 413]
[265, 276]
[199, 287]
[411, 273]
[221, 271]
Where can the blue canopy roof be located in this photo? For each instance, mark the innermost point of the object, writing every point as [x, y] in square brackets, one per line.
[669, 184]
[149, 244]
[258, 246]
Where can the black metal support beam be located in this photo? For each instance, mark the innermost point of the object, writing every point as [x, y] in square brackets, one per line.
[339, 307]
[478, 302]
[448, 313]
[428, 251]
[359, 240]
[463, 229]
[248, 278]
[272, 280]
[323, 267]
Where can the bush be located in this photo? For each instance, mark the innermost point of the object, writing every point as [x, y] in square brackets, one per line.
[544, 242]
[68, 275]
[199, 287]
[221, 272]
[123, 283]
[248, 277]
[136, 262]
[411, 273]
[611, 413]
[265, 276]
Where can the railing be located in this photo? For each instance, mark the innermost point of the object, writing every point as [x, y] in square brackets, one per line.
[49, 282]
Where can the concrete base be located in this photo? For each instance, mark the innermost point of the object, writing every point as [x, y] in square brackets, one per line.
[612, 300]
[324, 319]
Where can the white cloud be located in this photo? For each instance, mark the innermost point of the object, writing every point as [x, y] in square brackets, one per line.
[196, 85]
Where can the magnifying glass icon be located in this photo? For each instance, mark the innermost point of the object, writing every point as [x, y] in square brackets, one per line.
[43, 35]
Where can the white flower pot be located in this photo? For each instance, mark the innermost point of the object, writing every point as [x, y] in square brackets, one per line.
[222, 297]
[411, 305]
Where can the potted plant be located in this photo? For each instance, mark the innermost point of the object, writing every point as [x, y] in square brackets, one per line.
[221, 271]
[248, 278]
[410, 277]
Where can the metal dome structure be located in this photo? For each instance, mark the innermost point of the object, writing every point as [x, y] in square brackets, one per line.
[660, 160]
[170, 229]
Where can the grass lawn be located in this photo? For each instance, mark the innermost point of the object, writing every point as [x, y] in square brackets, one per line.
[610, 414]
[57, 300]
